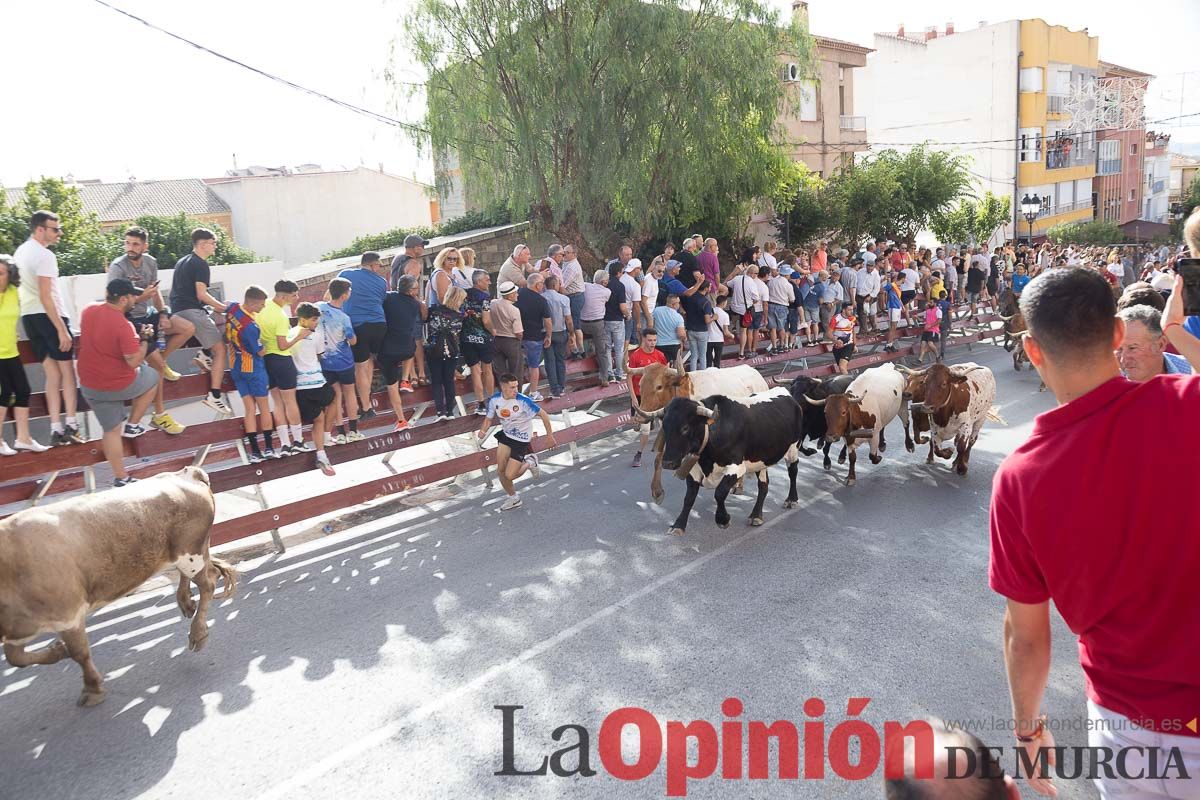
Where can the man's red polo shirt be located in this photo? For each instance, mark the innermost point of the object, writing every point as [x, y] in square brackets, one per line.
[640, 358]
[1119, 557]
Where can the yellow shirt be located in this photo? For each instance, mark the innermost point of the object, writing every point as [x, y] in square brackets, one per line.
[10, 312]
[935, 288]
[273, 322]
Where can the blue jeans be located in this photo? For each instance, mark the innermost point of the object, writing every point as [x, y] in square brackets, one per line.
[631, 335]
[698, 352]
[556, 362]
[616, 343]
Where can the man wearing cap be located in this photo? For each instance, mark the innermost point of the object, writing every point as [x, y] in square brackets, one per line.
[508, 357]
[631, 279]
[410, 262]
[780, 296]
[113, 369]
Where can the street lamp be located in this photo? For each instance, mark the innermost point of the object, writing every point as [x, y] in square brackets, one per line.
[1031, 207]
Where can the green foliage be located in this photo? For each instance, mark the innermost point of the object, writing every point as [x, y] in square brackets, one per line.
[171, 240]
[811, 213]
[83, 248]
[1086, 233]
[603, 118]
[971, 221]
[489, 217]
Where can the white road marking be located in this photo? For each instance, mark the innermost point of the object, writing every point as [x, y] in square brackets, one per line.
[291, 786]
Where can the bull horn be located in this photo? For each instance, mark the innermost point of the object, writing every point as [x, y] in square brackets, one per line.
[1006, 319]
[671, 373]
[808, 399]
[635, 370]
[705, 411]
[908, 371]
[679, 362]
[920, 408]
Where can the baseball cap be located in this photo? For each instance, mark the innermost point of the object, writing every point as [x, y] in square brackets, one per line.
[634, 263]
[121, 287]
[672, 263]
[786, 271]
[508, 287]
[415, 240]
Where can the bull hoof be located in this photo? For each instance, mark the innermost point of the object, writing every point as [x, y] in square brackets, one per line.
[961, 469]
[929, 458]
[188, 609]
[88, 699]
[828, 464]
[756, 521]
[196, 645]
[842, 459]
[882, 446]
[789, 503]
[676, 532]
[658, 498]
[875, 459]
[849, 481]
[910, 447]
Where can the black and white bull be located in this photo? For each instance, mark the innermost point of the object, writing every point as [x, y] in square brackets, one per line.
[716, 441]
[811, 394]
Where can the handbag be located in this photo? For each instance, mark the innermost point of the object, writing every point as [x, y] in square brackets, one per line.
[748, 316]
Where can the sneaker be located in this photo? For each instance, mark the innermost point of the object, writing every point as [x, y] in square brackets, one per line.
[202, 361]
[340, 439]
[257, 458]
[302, 447]
[132, 431]
[217, 404]
[367, 413]
[511, 503]
[355, 436]
[60, 439]
[405, 386]
[402, 425]
[537, 396]
[32, 446]
[166, 424]
[270, 453]
[481, 409]
[324, 465]
[619, 377]
[329, 442]
[119, 482]
[73, 435]
[637, 459]
[534, 468]
[444, 417]
[170, 374]
[5, 450]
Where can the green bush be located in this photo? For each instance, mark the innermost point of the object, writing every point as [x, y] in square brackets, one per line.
[1086, 233]
[486, 218]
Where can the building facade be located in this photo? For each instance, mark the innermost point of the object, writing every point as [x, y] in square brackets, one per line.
[1184, 170]
[1119, 163]
[1157, 172]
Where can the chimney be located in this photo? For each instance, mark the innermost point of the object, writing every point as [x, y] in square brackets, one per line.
[949, 28]
[930, 33]
[800, 12]
[900, 32]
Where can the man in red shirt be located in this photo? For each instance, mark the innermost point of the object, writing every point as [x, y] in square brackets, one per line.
[1119, 561]
[645, 355]
[113, 369]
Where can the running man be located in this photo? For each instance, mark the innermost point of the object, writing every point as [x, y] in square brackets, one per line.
[514, 412]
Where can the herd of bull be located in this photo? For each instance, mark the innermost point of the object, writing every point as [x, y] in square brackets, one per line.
[717, 425]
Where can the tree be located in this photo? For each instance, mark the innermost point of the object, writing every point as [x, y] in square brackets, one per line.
[1094, 232]
[83, 247]
[929, 182]
[971, 221]
[484, 218]
[170, 239]
[864, 201]
[606, 118]
[810, 212]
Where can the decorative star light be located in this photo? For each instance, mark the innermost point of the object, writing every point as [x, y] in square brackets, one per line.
[1107, 104]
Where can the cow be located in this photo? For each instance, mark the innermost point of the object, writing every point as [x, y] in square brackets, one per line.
[661, 384]
[715, 441]
[809, 392]
[957, 401]
[61, 562]
[863, 411]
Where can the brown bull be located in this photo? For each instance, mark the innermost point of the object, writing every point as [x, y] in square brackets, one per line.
[64, 561]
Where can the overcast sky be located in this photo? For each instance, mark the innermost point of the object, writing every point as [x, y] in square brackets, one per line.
[106, 97]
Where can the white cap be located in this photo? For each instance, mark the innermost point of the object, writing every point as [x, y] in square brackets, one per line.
[634, 263]
[508, 287]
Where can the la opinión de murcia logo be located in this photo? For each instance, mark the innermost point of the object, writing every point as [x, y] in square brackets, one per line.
[812, 749]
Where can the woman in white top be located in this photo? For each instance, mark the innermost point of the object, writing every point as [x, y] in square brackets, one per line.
[442, 278]
[461, 274]
[718, 330]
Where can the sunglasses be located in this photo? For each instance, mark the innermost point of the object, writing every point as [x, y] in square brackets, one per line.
[54, 228]
[451, 259]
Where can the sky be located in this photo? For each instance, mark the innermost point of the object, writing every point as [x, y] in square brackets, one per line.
[106, 97]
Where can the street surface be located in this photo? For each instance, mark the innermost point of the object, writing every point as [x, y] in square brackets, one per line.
[366, 664]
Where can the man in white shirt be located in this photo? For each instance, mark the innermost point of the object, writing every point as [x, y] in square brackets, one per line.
[743, 294]
[46, 324]
[780, 294]
[633, 295]
[908, 289]
[869, 285]
[650, 292]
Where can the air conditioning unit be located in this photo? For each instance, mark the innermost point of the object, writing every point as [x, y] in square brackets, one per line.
[791, 72]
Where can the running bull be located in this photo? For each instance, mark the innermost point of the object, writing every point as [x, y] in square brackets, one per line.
[716, 441]
[863, 411]
[811, 393]
[957, 401]
[62, 562]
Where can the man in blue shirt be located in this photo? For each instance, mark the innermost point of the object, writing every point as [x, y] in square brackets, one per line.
[1020, 280]
[364, 306]
[337, 360]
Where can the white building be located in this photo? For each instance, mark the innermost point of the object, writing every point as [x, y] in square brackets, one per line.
[1156, 190]
[296, 218]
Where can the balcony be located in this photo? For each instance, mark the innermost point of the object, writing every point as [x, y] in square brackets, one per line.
[1064, 208]
[1065, 152]
[1056, 103]
[848, 123]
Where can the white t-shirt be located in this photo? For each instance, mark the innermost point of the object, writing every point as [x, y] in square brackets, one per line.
[761, 294]
[306, 354]
[716, 328]
[742, 293]
[1117, 269]
[909, 283]
[780, 291]
[938, 265]
[650, 292]
[36, 261]
[767, 260]
[868, 257]
[1163, 281]
[515, 416]
[633, 291]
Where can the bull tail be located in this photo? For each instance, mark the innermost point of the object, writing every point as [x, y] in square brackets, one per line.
[228, 574]
[993, 414]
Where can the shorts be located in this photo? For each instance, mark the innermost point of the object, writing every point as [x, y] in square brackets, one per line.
[418, 331]
[281, 371]
[313, 401]
[576, 308]
[251, 384]
[533, 353]
[793, 321]
[390, 366]
[894, 314]
[368, 340]
[812, 314]
[44, 339]
[843, 352]
[206, 330]
[826, 315]
[475, 353]
[906, 297]
[345, 377]
[14, 383]
[973, 297]
[518, 448]
[153, 320]
[930, 336]
[777, 315]
[756, 320]
[109, 407]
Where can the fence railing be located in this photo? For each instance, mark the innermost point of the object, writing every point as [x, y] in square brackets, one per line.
[849, 123]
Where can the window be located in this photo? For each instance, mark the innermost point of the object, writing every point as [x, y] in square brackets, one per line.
[841, 73]
[1109, 161]
[1065, 193]
[1133, 149]
[808, 101]
[1133, 195]
[841, 100]
[1031, 144]
[1031, 79]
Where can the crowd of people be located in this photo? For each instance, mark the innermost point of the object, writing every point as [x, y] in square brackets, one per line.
[436, 329]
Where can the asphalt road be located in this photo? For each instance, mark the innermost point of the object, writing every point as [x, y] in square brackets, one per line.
[368, 664]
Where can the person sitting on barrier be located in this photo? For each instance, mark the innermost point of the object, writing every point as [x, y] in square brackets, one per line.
[476, 338]
[337, 362]
[364, 306]
[314, 396]
[192, 302]
[442, 348]
[113, 369]
[14, 383]
[844, 336]
[403, 313]
[243, 341]
[515, 413]
[278, 338]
